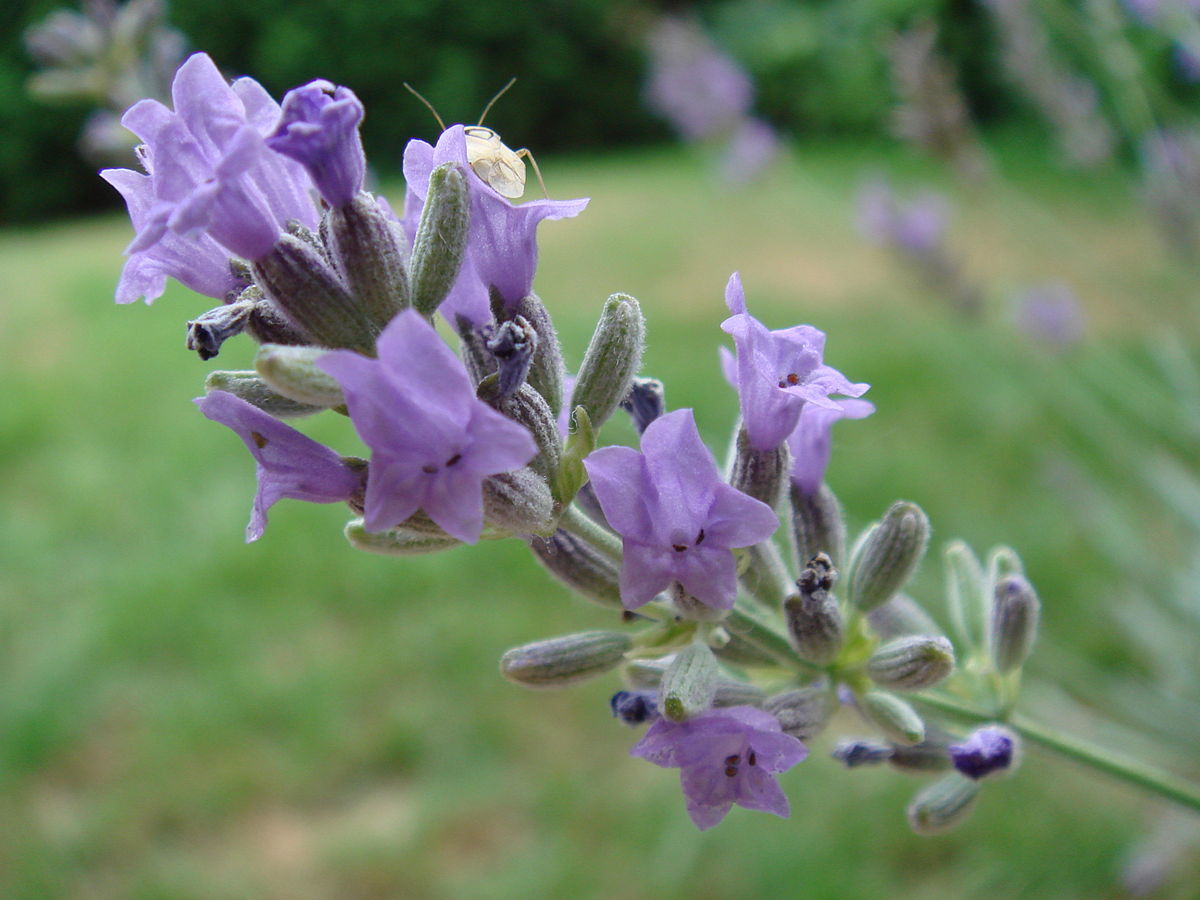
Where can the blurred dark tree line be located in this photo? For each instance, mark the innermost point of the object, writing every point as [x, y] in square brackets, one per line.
[820, 67]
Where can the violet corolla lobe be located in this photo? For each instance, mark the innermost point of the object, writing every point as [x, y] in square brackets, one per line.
[677, 519]
[433, 442]
[290, 464]
[318, 128]
[502, 241]
[812, 440]
[777, 372]
[725, 756]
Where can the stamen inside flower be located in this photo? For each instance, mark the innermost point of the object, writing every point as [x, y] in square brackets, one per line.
[731, 764]
[791, 379]
[452, 460]
[259, 440]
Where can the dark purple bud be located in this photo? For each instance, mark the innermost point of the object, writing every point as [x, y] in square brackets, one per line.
[634, 707]
[319, 129]
[853, 754]
[986, 751]
[513, 343]
[645, 401]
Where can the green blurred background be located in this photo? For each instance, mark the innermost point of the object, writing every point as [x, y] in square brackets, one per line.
[183, 716]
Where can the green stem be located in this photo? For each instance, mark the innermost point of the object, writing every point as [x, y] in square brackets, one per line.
[576, 522]
[1143, 775]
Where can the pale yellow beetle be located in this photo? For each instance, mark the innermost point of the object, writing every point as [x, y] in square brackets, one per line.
[502, 168]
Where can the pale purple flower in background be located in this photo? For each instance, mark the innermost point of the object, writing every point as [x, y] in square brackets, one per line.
[812, 440]
[502, 243]
[986, 751]
[677, 518]
[916, 226]
[776, 373]
[1171, 172]
[1050, 313]
[751, 148]
[725, 756]
[289, 463]
[319, 129]
[433, 441]
[210, 171]
[692, 84]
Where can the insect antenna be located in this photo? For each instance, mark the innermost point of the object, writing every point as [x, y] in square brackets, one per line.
[412, 90]
[492, 102]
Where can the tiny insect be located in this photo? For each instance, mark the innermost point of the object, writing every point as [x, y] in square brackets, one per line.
[502, 168]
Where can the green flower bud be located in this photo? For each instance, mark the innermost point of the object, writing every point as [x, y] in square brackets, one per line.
[251, 388]
[580, 566]
[802, 712]
[441, 239]
[530, 409]
[1014, 622]
[900, 616]
[291, 372]
[895, 718]
[731, 692]
[396, 541]
[911, 663]
[690, 683]
[519, 502]
[612, 359]
[813, 619]
[966, 594]
[760, 474]
[942, 805]
[368, 255]
[297, 278]
[565, 660]
[546, 372]
[817, 525]
[741, 652]
[920, 759]
[886, 558]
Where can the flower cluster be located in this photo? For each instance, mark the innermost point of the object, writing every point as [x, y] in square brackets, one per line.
[739, 650]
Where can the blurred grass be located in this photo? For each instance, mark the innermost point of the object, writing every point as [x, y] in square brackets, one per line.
[185, 716]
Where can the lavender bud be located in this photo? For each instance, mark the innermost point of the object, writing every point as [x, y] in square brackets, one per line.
[479, 361]
[966, 594]
[1014, 622]
[853, 754]
[441, 240]
[546, 372]
[911, 663]
[634, 707]
[802, 712]
[519, 502]
[291, 371]
[580, 566]
[760, 474]
[527, 407]
[396, 541]
[813, 619]
[741, 652]
[513, 344]
[690, 683]
[206, 333]
[611, 360]
[895, 718]
[885, 560]
[565, 660]
[988, 751]
[644, 674]
[921, 759]
[301, 283]
[900, 616]
[731, 692]
[267, 323]
[368, 256]
[249, 387]
[645, 402]
[817, 524]
[942, 805]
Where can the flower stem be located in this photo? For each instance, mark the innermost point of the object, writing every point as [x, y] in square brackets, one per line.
[576, 522]
[1143, 775]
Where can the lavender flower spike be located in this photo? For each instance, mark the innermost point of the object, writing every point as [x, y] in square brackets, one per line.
[679, 521]
[319, 129]
[210, 171]
[812, 440]
[502, 242]
[777, 372]
[725, 756]
[433, 442]
[289, 463]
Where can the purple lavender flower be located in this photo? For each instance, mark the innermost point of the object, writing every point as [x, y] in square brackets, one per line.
[750, 150]
[289, 464]
[725, 756]
[916, 226]
[777, 372]
[692, 84]
[812, 440]
[679, 521]
[319, 129]
[210, 170]
[986, 751]
[502, 245]
[433, 442]
[1050, 313]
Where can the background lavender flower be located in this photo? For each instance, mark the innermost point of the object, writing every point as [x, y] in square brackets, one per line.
[917, 225]
[725, 756]
[1050, 313]
[776, 372]
[1171, 175]
[433, 442]
[289, 463]
[752, 147]
[319, 129]
[678, 520]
